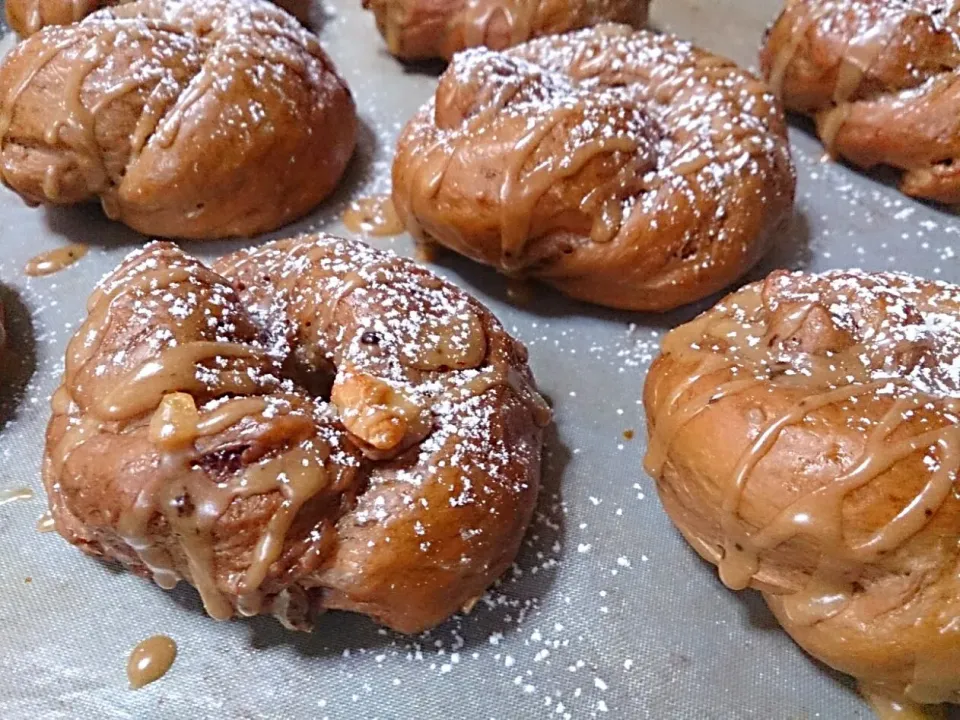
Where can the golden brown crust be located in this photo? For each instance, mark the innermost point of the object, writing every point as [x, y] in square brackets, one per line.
[29, 16]
[880, 79]
[805, 438]
[625, 168]
[203, 119]
[422, 29]
[311, 422]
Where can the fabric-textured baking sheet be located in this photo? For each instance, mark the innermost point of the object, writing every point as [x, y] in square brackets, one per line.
[607, 614]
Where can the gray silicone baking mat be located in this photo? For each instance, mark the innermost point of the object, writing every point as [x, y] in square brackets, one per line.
[608, 614]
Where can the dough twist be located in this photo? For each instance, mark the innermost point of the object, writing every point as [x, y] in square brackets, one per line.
[308, 424]
[624, 168]
[201, 119]
[805, 437]
[880, 79]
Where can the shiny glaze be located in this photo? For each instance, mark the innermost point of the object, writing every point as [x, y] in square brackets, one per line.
[374, 216]
[150, 660]
[518, 17]
[55, 260]
[522, 187]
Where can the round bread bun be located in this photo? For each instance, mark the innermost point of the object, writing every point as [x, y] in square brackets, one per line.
[29, 16]
[805, 437]
[201, 119]
[879, 78]
[311, 424]
[425, 29]
[624, 168]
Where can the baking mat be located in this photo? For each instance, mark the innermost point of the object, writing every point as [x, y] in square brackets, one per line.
[607, 614]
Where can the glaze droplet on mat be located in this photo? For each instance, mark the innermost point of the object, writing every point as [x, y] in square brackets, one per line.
[150, 660]
[55, 260]
[373, 216]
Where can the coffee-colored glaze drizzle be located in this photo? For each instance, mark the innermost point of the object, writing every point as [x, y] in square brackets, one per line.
[782, 60]
[740, 559]
[521, 191]
[478, 14]
[428, 175]
[174, 369]
[14, 494]
[150, 660]
[830, 123]
[175, 426]
[373, 216]
[39, 63]
[99, 306]
[55, 260]
[73, 123]
[77, 119]
[858, 58]
[161, 385]
[351, 282]
[825, 594]
[300, 477]
[169, 129]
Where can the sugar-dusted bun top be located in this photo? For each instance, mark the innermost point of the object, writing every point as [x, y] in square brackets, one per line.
[805, 437]
[201, 119]
[311, 423]
[624, 167]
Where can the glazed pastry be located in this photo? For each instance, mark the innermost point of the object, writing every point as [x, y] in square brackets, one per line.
[423, 29]
[28, 16]
[202, 119]
[622, 167]
[879, 78]
[804, 437]
[308, 424]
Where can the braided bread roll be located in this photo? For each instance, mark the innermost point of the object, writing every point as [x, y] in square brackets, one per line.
[624, 168]
[311, 424]
[805, 438]
[422, 29]
[880, 79]
[201, 119]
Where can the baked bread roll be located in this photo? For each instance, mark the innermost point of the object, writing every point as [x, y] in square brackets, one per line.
[202, 119]
[29, 16]
[311, 424]
[624, 168]
[880, 79]
[423, 29]
[804, 437]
